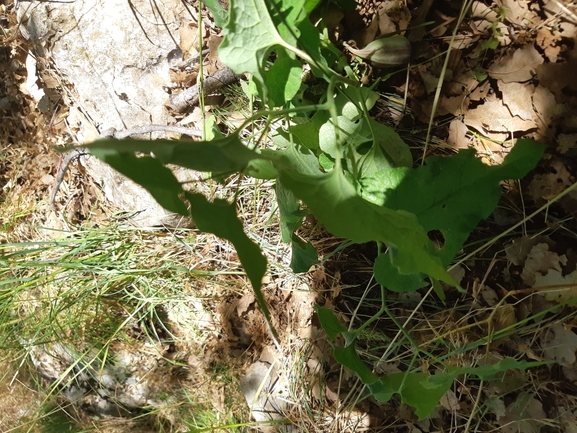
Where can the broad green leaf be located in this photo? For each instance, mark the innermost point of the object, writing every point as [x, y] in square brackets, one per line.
[255, 29]
[382, 391]
[310, 5]
[330, 322]
[414, 390]
[349, 357]
[149, 173]
[452, 194]
[291, 215]
[522, 159]
[350, 134]
[350, 100]
[387, 275]
[418, 393]
[250, 35]
[283, 78]
[303, 255]
[398, 152]
[261, 169]
[335, 203]
[447, 194]
[220, 219]
[374, 187]
[225, 155]
[308, 134]
[297, 159]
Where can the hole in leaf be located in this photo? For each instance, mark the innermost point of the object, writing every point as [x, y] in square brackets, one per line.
[437, 238]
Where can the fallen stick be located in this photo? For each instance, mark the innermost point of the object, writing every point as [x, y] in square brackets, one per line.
[189, 97]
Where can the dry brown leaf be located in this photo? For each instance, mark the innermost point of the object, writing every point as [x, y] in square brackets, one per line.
[555, 278]
[516, 97]
[518, 12]
[392, 16]
[548, 41]
[559, 344]
[522, 416]
[462, 83]
[189, 40]
[454, 105]
[458, 134]
[244, 303]
[545, 104]
[568, 420]
[490, 296]
[539, 261]
[368, 35]
[547, 186]
[493, 116]
[450, 401]
[518, 250]
[518, 66]
[480, 10]
[481, 92]
[566, 142]
[559, 78]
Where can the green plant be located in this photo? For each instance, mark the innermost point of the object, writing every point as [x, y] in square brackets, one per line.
[354, 174]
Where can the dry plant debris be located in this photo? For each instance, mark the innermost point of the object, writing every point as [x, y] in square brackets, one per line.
[511, 75]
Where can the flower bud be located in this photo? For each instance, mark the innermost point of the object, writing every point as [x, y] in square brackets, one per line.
[388, 52]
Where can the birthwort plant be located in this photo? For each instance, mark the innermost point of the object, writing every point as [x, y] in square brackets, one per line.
[329, 158]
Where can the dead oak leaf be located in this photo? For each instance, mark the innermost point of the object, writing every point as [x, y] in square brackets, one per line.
[522, 416]
[545, 105]
[494, 116]
[559, 78]
[458, 134]
[518, 66]
[548, 42]
[539, 261]
[559, 344]
[547, 186]
[518, 12]
[516, 97]
[518, 250]
[566, 142]
[567, 285]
